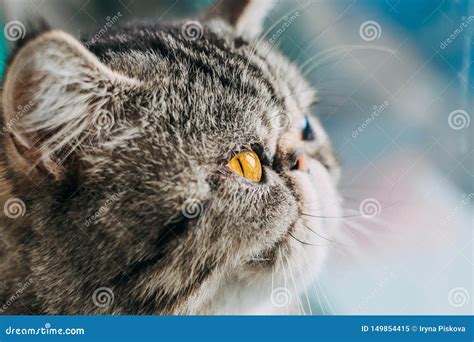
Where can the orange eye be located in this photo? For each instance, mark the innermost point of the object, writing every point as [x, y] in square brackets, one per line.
[247, 164]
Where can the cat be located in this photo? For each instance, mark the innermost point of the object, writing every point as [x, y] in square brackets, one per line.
[166, 168]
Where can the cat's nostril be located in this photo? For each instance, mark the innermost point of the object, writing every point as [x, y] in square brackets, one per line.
[298, 161]
[302, 163]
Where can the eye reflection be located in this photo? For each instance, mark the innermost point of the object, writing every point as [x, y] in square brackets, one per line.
[308, 133]
[247, 164]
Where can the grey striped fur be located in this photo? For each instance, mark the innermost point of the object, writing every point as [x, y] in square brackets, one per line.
[106, 207]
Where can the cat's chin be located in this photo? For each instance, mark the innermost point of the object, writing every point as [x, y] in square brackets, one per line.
[317, 229]
[272, 281]
[269, 284]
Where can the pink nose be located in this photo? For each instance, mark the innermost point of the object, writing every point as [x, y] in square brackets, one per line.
[301, 162]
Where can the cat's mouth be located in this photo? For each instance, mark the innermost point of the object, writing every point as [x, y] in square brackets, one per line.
[316, 195]
[270, 256]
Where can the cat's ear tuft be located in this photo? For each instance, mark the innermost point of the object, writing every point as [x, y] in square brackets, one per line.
[246, 16]
[54, 89]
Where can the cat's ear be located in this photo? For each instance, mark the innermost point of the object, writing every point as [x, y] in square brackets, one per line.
[246, 16]
[54, 91]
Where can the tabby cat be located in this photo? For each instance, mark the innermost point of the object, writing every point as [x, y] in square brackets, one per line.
[167, 168]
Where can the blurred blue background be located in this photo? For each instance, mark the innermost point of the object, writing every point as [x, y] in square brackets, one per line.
[397, 106]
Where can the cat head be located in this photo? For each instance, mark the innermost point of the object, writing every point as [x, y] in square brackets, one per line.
[163, 162]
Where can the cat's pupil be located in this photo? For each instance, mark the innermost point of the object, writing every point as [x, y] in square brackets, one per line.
[308, 133]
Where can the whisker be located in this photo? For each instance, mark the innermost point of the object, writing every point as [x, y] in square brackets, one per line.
[331, 217]
[315, 289]
[284, 277]
[353, 215]
[337, 51]
[332, 247]
[306, 291]
[324, 295]
[325, 238]
[304, 242]
[350, 198]
[298, 299]
[360, 232]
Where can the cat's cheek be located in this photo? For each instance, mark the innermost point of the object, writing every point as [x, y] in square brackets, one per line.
[261, 213]
[321, 200]
[322, 186]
